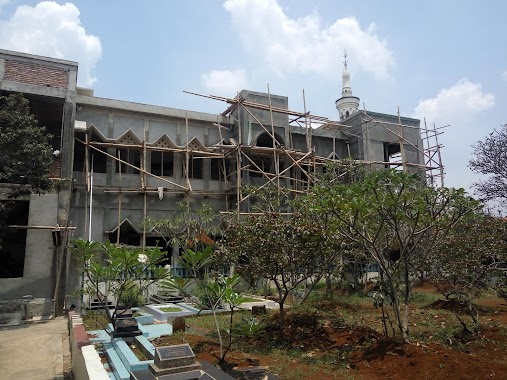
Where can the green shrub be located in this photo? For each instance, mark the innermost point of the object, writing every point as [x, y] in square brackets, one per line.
[207, 299]
[132, 296]
[249, 327]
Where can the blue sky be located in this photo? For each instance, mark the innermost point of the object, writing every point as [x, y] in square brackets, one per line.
[443, 60]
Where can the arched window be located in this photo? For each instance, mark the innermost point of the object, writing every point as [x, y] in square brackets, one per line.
[264, 160]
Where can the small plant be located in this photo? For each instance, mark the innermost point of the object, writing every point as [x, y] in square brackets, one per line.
[207, 299]
[112, 271]
[179, 285]
[249, 327]
[95, 320]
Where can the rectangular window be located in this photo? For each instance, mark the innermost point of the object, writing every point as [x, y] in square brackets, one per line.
[392, 154]
[195, 168]
[216, 168]
[162, 163]
[131, 156]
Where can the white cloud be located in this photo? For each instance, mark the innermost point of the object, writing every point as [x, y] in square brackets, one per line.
[225, 82]
[304, 45]
[52, 30]
[458, 104]
[504, 75]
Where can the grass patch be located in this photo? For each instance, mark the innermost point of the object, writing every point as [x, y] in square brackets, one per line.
[94, 320]
[251, 299]
[170, 309]
[206, 321]
[137, 352]
[424, 298]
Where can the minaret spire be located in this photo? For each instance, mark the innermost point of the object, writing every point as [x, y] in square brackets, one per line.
[347, 104]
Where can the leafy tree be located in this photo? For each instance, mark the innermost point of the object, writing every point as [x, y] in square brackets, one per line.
[490, 159]
[25, 153]
[215, 289]
[286, 250]
[119, 271]
[187, 228]
[393, 218]
[469, 260]
[25, 148]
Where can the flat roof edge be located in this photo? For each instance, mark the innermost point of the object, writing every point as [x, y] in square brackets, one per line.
[15, 54]
[148, 108]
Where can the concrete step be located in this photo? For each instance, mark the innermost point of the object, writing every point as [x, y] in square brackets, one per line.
[119, 369]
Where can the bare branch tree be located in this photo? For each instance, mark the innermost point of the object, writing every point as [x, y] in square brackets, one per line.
[490, 159]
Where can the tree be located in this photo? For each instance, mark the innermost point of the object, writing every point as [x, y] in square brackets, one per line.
[284, 249]
[215, 289]
[25, 148]
[469, 261]
[122, 272]
[490, 159]
[25, 153]
[393, 218]
[186, 228]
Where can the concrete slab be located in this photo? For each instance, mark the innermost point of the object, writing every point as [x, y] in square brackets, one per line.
[35, 350]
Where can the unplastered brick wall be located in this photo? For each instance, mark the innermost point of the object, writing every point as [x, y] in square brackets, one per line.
[56, 169]
[40, 75]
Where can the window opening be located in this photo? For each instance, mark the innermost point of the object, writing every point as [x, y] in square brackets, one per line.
[132, 156]
[392, 154]
[13, 240]
[162, 163]
[195, 168]
[216, 166]
[128, 235]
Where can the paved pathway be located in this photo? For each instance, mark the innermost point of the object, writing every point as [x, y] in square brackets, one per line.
[38, 351]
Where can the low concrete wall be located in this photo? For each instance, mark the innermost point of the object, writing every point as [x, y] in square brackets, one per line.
[86, 362]
[25, 309]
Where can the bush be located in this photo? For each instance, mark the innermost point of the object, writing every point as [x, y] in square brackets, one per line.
[249, 327]
[206, 298]
[132, 296]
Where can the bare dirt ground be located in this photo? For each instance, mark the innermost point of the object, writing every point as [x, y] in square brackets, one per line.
[337, 340]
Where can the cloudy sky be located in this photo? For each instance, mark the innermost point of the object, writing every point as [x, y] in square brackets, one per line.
[442, 60]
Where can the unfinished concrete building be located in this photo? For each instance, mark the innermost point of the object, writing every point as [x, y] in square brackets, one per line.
[126, 161]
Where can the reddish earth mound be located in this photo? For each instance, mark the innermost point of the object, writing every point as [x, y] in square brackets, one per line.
[395, 360]
[384, 359]
[319, 345]
[450, 305]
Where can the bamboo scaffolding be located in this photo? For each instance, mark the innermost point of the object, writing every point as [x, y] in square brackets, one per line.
[298, 176]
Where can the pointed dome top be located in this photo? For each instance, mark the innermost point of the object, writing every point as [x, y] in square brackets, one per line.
[346, 89]
[348, 104]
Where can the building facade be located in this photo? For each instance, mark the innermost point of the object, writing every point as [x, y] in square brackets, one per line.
[121, 162]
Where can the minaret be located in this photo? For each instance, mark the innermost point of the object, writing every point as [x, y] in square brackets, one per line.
[347, 105]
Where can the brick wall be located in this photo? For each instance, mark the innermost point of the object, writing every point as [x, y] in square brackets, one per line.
[36, 74]
[56, 169]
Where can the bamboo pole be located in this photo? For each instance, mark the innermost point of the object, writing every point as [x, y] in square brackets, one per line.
[308, 126]
[275, 156]
[37, 227]
[155, 148]
[143, 178]
[187, 162]
[439, 158]
[238, 166]
[133, 166]
[87, 179]
[401, 142]
[119, 203]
